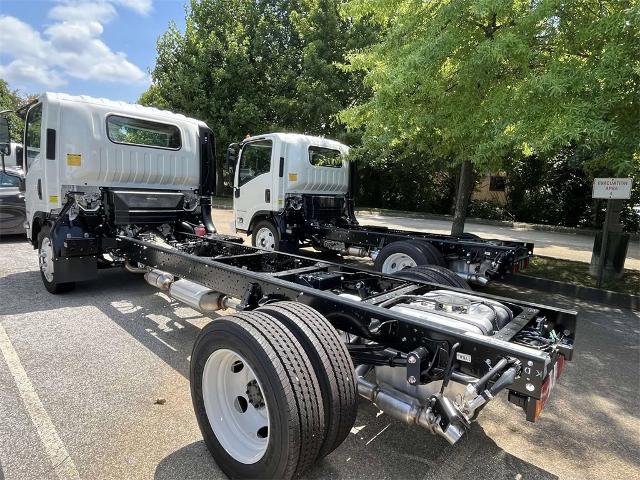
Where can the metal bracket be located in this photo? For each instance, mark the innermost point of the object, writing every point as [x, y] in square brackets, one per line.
[251, 297]
[415, 364]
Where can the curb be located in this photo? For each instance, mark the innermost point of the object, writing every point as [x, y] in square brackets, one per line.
[222, 206]
[607, 297]
[483, 221]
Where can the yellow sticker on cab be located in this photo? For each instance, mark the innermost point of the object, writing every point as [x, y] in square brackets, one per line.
[293, 177]
[74, 159]
[53, 198]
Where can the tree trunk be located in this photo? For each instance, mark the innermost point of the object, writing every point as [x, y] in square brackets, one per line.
[220, 190]
[465, 187]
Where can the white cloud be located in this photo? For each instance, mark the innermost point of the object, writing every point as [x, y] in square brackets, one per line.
[83, 11]
[69, 47]
[26, 72]
[141, 6]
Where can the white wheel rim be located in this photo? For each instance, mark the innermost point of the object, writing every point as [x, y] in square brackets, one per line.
[46, 259]
[235, 406]
[265, 239]
[396, 262]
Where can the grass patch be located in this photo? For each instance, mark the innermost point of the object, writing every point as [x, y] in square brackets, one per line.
[578, 273]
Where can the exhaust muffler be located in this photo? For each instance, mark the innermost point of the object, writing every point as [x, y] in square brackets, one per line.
[440, 415]
[190, 293]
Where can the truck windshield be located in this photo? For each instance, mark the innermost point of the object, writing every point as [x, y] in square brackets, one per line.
[255, 160]
[325, 157]
[32, 140]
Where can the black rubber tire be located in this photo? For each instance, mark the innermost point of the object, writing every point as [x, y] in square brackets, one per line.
[434, 274]
[432, 253]
[406, 247]
[274, 232]
[290, 388]
[53, 286]
[332, 364]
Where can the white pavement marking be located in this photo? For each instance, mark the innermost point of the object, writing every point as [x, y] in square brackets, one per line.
[377, 435]
[63, 466]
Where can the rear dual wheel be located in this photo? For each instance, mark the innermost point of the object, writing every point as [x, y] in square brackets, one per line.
[434, 274]
[269, 398]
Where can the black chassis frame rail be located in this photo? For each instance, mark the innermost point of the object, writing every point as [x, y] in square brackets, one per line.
[503, 253]
[256, 276]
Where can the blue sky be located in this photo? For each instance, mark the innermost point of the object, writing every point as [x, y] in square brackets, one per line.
[102, 48]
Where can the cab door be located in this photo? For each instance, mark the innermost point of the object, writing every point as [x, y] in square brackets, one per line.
[35, 195]
[253, 183]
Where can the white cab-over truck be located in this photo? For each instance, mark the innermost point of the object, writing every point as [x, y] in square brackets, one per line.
[294, 191]
[275, 382]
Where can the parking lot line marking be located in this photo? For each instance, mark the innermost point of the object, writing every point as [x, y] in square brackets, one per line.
[377, 435]
[62, 463]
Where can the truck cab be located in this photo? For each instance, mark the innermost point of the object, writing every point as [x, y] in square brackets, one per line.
[285, 171]
[97, 169]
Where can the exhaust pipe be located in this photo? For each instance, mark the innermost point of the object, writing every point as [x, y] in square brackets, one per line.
[190, 293]
[131, 268]
[473, 278]
[440, 415]
[355, 252]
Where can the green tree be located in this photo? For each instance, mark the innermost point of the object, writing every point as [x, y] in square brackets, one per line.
[12, 100]
[247, 66]
[480, 82]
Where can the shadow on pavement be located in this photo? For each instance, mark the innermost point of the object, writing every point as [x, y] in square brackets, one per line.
[192, 462]
[591, 417]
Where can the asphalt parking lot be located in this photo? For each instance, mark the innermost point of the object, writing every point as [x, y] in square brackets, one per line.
[80, 375]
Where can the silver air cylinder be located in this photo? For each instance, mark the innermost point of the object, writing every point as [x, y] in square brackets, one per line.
[196, 296]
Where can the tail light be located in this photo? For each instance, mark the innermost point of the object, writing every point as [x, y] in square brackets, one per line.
[547, 386]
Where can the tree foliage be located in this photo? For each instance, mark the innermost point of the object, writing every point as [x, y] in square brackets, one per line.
[11, 100]
[492, 80]
[252, 66]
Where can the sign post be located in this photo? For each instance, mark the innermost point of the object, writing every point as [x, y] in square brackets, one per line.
[609, 189]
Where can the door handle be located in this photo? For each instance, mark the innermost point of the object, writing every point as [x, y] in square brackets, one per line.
[267, 195]
[236, 192]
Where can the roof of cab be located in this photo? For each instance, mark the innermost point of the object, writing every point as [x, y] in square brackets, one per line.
[119, 106]
[302, 139]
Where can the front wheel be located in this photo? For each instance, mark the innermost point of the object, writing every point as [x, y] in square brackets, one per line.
[266, 236]
[47, 263]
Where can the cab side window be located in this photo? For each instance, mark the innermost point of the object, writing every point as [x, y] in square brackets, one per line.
[33, 126]
[255, 160]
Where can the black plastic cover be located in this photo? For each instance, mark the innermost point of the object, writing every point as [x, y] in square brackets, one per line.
[139, 207]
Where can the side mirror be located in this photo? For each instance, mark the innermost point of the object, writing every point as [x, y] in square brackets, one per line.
[5, 136]
[232, 155]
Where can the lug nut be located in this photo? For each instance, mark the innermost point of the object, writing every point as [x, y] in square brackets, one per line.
[412, 380]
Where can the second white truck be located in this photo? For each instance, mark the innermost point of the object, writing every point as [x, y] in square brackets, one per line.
[293, 191]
